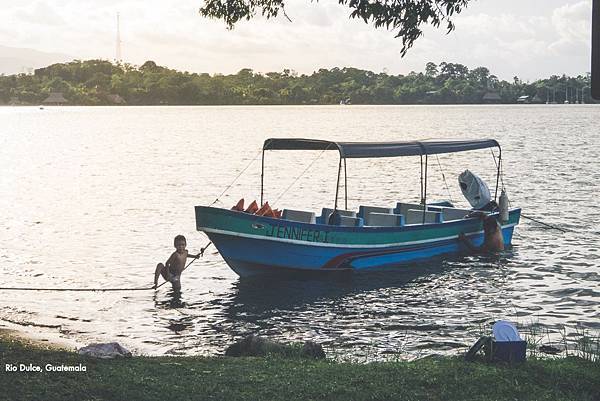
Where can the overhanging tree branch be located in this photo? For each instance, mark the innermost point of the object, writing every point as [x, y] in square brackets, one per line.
[405, 17]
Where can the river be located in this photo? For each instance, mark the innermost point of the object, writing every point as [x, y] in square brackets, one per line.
[93, 196]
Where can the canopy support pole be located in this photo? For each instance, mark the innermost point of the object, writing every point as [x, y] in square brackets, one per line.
[337, 187]
[421, 179]
[345, 185]
[262, 177]
[425, 188]
[498, 173]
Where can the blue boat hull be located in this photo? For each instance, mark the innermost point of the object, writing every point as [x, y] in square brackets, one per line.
[249, 254]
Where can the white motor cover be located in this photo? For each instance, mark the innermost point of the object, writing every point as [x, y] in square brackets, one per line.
[474, 189]
[505, 331]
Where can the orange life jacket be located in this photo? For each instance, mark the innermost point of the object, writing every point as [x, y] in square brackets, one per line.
[252, 208]
[239, 206]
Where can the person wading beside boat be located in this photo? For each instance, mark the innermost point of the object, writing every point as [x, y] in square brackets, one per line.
[171, 270]
[493, 241]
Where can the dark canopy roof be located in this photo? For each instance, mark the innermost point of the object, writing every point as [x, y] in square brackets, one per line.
[380, 149]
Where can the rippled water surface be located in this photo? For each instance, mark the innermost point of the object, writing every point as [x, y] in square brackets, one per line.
[92, 197]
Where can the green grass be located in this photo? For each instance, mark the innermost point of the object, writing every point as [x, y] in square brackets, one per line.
[275, 378]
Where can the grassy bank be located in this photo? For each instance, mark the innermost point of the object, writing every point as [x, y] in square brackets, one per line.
[161, 378]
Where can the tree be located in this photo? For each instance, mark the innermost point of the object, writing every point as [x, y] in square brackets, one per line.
[403, 16]
[91, 82]
[431, 70]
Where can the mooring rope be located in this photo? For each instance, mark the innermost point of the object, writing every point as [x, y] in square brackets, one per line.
[238, 176]
[444, 178]
[545, 224]
[101, 289]
[524, 215]
[501, 169]
[302, 173]
[73, 289]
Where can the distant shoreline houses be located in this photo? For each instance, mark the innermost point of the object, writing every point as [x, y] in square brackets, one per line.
[55, 99]
[101, 82]
[58, 99]
[490, 97]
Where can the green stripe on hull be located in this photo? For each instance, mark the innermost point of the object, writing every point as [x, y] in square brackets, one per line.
[264, 227]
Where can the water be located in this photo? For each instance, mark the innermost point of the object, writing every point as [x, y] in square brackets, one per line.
[92, 197]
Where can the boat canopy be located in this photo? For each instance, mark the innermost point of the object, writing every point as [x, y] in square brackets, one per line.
[380, 149]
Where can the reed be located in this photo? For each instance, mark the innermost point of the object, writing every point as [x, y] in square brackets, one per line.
[568, 341]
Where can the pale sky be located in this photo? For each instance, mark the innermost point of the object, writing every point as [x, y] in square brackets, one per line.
[528, 38]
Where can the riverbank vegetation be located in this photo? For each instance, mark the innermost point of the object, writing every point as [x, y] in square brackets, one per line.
[276, 378]
[100, 82]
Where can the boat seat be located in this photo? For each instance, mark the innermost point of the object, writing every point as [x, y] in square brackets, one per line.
[326, 212]
[299, 216]
[363, 211]
[403, 208]
[415, 216]
[448, 213]
[451, 213]
[384, 219]
[347, 221]
[444, 203]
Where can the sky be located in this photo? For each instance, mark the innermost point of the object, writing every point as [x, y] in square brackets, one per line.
[530, 39]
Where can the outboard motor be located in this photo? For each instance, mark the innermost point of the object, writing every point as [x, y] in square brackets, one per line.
[474, 189]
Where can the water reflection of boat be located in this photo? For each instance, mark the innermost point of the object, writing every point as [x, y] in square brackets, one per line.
[340, 239]
[254, 296]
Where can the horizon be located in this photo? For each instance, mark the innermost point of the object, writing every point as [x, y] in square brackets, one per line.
[532, 40]
[264, 73]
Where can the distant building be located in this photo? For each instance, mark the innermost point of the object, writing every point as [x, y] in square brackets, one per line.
[524, 99]
[115, 99]
[55, 98]
[491, 97]
[536, 99]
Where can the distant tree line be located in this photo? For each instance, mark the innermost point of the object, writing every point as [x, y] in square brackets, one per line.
[100, 82]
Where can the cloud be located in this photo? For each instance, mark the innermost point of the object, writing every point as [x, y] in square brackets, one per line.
[530, 39]
[572, 24]
[40, 14]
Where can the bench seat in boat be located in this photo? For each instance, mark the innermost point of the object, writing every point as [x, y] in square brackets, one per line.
[363, 211]
[384, 219]
[299, 216]
[326, 212]
[415, 216]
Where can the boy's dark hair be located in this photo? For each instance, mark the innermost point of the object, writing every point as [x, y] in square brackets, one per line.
[179, 238]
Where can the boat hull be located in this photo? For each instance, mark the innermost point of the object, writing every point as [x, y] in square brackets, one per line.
[253, 245]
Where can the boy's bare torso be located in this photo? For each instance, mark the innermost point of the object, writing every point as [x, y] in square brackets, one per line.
[176, 262]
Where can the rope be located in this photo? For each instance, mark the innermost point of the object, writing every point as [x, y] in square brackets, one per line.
[501, 171]
[99, 289]
[74, 289]
[523, 215]
[444, 178]
[544, 224]
[236, 178]
[301, 174]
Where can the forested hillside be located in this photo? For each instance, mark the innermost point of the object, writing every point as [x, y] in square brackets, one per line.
[96, 82]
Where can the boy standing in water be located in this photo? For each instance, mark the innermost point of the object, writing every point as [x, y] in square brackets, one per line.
[171, 270]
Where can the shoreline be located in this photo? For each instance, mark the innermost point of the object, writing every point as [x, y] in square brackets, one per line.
[38, 339]
[30, 372]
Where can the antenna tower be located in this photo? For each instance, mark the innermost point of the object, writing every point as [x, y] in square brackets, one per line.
[119, 58]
